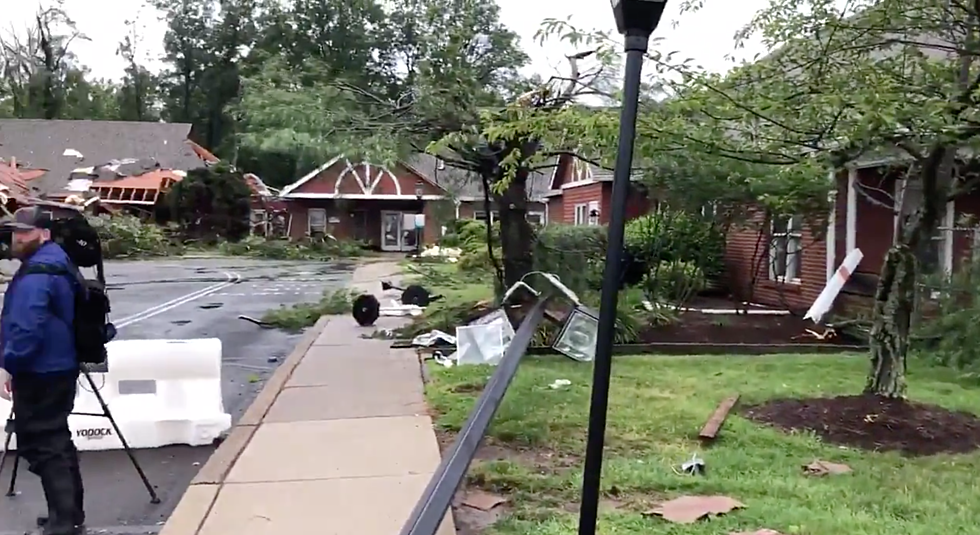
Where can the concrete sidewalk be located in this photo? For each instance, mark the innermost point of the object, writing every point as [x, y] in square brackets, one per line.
[338, 442]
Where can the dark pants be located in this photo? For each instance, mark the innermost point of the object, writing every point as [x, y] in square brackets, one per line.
[42, 403]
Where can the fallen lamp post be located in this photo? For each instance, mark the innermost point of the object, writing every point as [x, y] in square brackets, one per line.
[636, 20]
[430, 510]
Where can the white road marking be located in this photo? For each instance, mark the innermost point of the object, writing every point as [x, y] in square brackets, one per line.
[233, 278]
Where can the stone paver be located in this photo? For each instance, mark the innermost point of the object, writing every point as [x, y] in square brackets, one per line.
[345, 448]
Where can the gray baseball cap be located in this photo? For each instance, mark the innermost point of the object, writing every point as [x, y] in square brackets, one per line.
[28, 218]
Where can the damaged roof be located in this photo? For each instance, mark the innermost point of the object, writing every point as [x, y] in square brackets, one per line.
[55, 146]
[466, 185]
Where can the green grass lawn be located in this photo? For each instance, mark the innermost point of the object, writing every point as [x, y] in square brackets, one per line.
[657, 406]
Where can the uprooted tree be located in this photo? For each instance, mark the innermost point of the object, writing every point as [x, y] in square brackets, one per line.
[892, 79]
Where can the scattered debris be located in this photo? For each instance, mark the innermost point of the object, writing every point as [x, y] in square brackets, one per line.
[717, 418]
[481, 500]
[434, 338]
[827, 335]
[258, 322]
[823, 468]
[694, 467]
[560, 383]
[413, 294]
[272, 359]
[209, 306]
[72, 152]
[689, 509]
[484, 340]
[451, 254]
[180, 322]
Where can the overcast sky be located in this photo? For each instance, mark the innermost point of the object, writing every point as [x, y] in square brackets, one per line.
[706, 36]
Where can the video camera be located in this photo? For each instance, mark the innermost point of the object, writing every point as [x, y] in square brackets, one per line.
[72, 231]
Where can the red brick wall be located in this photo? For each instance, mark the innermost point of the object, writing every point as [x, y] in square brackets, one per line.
[747, 267]
[361, 219]
[572, 197]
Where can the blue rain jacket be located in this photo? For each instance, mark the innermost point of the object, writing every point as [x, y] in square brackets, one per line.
[38, 313]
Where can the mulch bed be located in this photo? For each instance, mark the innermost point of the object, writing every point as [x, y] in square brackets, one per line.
[874, 423]
[696, 327]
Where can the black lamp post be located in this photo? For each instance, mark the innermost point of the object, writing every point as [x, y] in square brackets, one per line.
[636, 20]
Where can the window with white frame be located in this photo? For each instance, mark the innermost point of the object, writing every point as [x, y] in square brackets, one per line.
[709, 210]
[594, 213]
[785, 249]
[935, 254]
[536, 218]
[581, 214]
[316, 219]
[481, 215]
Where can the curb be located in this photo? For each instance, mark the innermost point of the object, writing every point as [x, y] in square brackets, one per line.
[195, 505]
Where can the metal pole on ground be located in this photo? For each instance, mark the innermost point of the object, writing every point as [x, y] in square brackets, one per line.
[636, 20]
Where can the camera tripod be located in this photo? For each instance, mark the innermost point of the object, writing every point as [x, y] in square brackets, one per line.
[9, 431]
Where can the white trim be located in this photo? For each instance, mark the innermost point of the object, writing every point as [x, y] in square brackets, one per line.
[362, 197]
[121, 201]
[852, 210]
[307, 177]
[547, 213]
[579, 184]
[554, 174]
[831, 242]
[794, 245]
[366, 183]
[457, 203]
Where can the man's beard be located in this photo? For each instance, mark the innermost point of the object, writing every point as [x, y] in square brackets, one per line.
[23, 250]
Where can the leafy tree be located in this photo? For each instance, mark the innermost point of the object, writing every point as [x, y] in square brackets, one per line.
[39, 74]
[137, 96]
[870, 78]
[211, 202]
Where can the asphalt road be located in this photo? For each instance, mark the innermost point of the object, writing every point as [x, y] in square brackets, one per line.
[181, 299]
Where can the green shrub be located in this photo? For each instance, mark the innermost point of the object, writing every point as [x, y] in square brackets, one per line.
[948, 313]
[127, 236]
[576, 254]
[675, 280]
[669, 236]
[260, 247]
[303, 315]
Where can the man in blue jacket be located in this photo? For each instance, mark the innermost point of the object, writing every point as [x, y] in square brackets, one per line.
[38, 351]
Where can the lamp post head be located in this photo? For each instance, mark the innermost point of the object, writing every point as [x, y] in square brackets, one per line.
[419, 189]
[638, 17]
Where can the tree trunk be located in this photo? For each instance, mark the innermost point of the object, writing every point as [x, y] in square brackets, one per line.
[894, 303]
[516, 235]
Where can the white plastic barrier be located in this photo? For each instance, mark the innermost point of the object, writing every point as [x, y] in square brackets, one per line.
[160, 392]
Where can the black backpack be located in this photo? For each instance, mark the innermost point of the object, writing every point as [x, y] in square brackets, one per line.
[92, 327]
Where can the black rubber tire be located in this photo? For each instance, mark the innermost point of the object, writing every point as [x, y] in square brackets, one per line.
[366, 310]
[416, 295]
